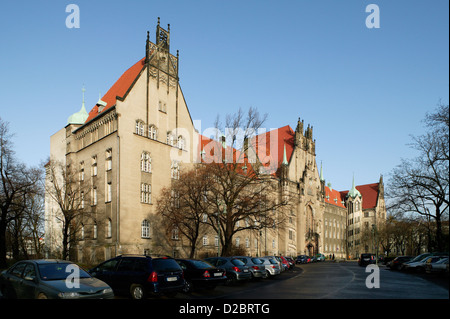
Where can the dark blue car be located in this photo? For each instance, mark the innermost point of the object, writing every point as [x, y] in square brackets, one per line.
[140, 276]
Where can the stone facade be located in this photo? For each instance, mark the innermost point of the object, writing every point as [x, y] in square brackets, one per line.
[140, 136]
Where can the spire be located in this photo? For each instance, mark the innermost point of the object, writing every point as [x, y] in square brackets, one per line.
[285, 162]
[81, 116]
[321, 172]
[354, 192]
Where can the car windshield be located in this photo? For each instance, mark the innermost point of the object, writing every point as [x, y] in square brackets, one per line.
[237, 262]
[60, 271]
[256, 261]
[165, 265]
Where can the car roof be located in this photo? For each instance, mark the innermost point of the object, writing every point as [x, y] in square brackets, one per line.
[47, 261]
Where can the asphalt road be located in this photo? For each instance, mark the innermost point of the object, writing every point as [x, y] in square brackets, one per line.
[328, 280]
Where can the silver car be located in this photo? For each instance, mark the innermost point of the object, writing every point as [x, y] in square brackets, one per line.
[51, 279]
[256, 266]
[278, 260]
[272, 266]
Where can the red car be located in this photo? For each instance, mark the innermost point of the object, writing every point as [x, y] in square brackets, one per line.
[285, 262]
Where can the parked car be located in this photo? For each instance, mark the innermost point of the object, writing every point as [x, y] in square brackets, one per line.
[141, 276]
[397, 262]
[320, 257]
[200, 274]
[49, 279]
[278, 260]
[388, 259]
[415, 259]
[291, 262]
[366, 259]
[440, 266]
[272, 266]
[301, 259]
[285, 263]
[257, 269]
[236, 270]
[419, 266]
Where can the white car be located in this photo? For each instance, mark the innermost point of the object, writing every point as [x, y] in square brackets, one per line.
[438, 266]
[419, 266]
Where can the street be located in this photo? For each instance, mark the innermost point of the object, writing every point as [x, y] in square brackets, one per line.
[328, 280]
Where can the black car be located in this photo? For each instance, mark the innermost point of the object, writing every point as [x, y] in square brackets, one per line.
[366, 259]
[141, 275]
[236, 269]
[397, 262]
[201, 274]
[301, 259]
[51, 279]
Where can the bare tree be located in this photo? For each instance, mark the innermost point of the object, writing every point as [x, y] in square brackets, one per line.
[421, 185]
[69, 192]
[183, 206]
[243, 193]
[17, 183]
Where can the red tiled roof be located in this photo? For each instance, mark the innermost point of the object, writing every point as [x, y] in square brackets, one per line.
[369, 194]
[274, 154]
[272, 158]
[334, 197]
[119, 89]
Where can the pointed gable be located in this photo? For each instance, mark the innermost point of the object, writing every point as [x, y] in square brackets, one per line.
[369, 193]
[119, 89]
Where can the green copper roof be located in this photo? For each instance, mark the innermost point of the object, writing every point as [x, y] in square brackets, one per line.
[79, 117]
[354, 192]
[285, 162]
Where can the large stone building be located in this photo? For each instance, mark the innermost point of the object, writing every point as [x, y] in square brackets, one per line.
[133, 142]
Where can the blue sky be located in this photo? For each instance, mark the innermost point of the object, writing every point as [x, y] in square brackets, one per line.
[363, 90]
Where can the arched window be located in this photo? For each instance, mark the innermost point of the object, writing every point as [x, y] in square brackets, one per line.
[145, 229]
[180, 142]
[139, 129]
[152, 132]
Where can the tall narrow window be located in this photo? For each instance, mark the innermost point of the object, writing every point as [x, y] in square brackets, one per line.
[175, 170]
[175, 233]
[146, 193]
[108, 195]
[108, 228]
[139, 129]
[81, 171]
[152, 132]
[82, 200]
[95, 233]
[108, 160]
[145, 229]
[180, 142]
[146, 162]
[94, 196]
[94, 166]
[170, 139]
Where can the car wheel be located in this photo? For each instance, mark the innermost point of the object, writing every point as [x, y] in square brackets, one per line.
[137, 292]
[268, 274]
[42, 296]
